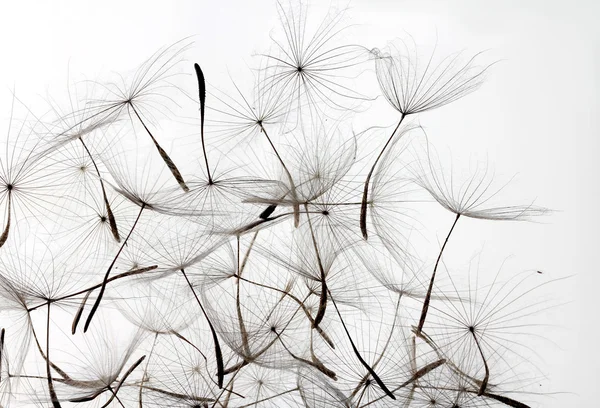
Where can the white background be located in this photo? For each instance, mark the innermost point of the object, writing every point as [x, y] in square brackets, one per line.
[535, 116]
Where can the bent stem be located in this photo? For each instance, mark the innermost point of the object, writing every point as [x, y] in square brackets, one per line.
[218, 354]
[428, 296]
[111, 217]
[105, 281]
[365, 196]
[170, 164]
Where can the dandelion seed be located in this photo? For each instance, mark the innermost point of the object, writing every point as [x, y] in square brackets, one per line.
[152, 77]
[297, 307]
[312, 70]
[471, 198]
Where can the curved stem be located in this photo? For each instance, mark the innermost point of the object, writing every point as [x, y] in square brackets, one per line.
[437, 262]
[111, 217]
[218, 354]
[363, 380]
[357, 353]
[105, 281]
[365, 196]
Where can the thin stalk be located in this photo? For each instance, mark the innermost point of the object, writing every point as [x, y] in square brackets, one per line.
[79, 312]
[360, 397]
[423, 336]
[52, 392]
[43, 354]
[357, 353]
[120, 384]
[255, 403]
[1, 350]
[218, 354]
[179, 396]
[249, 359]
[301, 304]
[363, 380]
[315, 364]
[146, 370]
[243, 265]
[4, 235]
[225, 403]
[112, 278]
[170, 164]
[186, 340]
[437, 262]
[105, 281]
[114, 395]
[296, 204]
[202, 99]
[413, 379]
[365, 197]
[237, 367]
[111, 217]
[238, 306]
[484, 383]
[323, 299]
[505, 400]
[422, 372]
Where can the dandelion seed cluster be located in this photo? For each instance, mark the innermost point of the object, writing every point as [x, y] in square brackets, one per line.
[267, 262]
